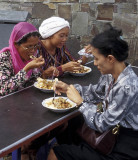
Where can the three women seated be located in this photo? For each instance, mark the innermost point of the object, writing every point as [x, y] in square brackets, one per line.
[17, 70]
[117, 89]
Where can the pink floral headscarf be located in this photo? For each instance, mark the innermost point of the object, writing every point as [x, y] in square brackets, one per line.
[19, 31]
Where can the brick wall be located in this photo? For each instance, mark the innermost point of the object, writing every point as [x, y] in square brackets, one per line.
[86, 17]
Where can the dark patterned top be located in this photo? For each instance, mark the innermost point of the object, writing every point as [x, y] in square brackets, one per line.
[11, 82]
[61, 57]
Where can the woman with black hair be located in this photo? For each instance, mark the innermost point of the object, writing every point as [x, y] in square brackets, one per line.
[117, 91]
[58, 60]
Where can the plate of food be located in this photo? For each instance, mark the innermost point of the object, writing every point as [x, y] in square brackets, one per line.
[58, 104]
[84, 70]
[45, 85]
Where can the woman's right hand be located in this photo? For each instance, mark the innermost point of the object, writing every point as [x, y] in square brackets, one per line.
[60, 87]
[74, 95]
[49, 72]
[35, 63]
[88, 48]
[71, 66]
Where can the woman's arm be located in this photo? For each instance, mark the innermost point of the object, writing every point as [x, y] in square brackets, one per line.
[94, 93]
[116, 107]
[84, 60]
[8, 81]
[69, 62]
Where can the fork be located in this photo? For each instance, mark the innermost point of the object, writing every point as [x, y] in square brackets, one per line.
[53, 73]
[54, 98]
[55, 82]
[54, 95]
[66, 99]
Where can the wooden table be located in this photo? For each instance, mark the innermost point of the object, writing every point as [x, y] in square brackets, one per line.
[23, 118]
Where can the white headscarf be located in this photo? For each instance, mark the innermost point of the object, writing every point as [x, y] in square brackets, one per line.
[52, 25]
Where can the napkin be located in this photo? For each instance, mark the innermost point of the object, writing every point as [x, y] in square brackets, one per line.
[83, 53]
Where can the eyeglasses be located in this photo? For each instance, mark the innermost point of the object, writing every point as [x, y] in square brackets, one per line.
[30, 48]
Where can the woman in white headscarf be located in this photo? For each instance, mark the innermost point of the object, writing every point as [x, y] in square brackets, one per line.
[54, 32]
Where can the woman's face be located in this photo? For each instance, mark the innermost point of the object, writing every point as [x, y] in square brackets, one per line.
[104, 64]
[59, 38]
[28, 48]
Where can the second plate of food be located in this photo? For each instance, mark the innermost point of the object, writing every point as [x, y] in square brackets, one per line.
[58, 104]
[45, 85]
[85, 70]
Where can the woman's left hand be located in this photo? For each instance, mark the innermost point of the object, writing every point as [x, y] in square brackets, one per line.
[74, 95]
[88, 49]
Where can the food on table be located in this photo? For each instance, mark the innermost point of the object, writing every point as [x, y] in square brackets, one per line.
[32, 57]
[82, 70]
[44, 83]
[59, 103]
[79, 61]
[56, 79]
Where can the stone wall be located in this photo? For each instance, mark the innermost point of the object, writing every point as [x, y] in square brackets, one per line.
[86, 17]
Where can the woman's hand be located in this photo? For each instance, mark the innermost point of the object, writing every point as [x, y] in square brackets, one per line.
[84, 60]
[88, 49]
[51, 71]
[74, 95]
[35, 63]
[71, 66]
[60, 87]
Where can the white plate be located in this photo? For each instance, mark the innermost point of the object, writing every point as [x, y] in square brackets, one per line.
[54, 109]
[42, 89]
[82, 74]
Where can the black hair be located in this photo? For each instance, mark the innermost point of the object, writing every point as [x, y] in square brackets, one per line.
[110, 42]
[25, 38]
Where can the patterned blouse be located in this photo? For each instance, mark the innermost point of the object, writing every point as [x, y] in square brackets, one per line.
[62, 56]
[119, 101]
[9, 81]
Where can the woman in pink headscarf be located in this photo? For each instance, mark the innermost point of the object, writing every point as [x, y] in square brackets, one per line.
[17, 70]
